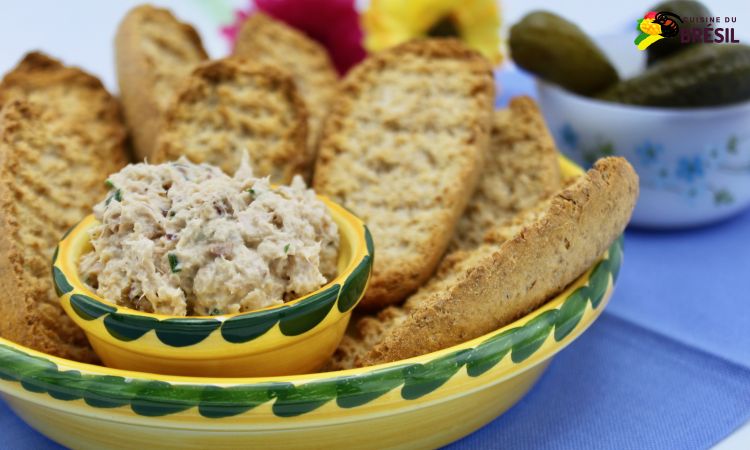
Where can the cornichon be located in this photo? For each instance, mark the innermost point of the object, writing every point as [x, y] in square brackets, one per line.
[702, 75]
[558, 51]
[671, 45]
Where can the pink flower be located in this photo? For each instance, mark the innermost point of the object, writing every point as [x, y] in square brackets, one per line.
[230, 31]
[333, 23]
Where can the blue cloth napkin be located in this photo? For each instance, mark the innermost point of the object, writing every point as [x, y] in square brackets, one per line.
[666, 366]
[19, 436]
[692, 285]
[621, 386]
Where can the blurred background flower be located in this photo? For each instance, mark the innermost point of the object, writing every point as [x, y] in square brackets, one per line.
[476, 22]
[338, 26]
[333, 23]
[231, 30]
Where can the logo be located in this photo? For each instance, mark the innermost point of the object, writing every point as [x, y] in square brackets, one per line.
[658, 25]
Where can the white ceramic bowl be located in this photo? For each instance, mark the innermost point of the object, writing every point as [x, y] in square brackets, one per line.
[694, 164]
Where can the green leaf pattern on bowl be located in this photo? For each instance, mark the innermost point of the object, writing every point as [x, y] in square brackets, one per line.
[217, 402]
[89, 309]
[294, 400]
[128, 327]
[62, 286]
[159, 398]
[293, 319]
[305, 315]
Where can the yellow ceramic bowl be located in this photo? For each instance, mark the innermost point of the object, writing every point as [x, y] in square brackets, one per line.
[296, 337]
[422, 402]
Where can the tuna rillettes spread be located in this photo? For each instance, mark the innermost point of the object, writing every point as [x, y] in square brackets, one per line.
[186, 239]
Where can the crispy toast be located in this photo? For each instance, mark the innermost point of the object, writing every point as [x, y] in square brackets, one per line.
[520, 170]
[231, 107]
[520, 265]
[50, 176]
[269, 41]
[402, 147]
[153, 53]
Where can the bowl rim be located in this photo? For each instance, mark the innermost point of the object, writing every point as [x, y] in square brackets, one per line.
[548, 87]
[361, 249]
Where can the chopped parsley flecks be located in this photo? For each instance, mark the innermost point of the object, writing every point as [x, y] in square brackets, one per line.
[117, 195]
[174, 263]
[286, 248]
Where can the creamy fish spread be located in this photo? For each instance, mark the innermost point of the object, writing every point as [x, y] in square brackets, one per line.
[186, 239]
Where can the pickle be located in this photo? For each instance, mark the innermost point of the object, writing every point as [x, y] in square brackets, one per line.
[671, 45]
[558, 51]
[702, 75]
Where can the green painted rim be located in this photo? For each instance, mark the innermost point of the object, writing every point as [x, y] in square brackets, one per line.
[293, 319]
[159, 398]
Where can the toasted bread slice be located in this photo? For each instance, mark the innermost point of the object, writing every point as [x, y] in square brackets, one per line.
[71, 97]
[402, 147]
[231, 107]
[478, 291]
[54, 157]
[153, 53]
[269, 41]
[51, 174]
[521, 169]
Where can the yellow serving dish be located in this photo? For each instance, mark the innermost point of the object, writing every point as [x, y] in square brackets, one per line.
[296, 337]
[422, 402]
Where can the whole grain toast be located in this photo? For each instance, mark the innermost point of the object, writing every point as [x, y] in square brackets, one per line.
[52, 171]
[153, 53]
[520, 170]
[521, 264]
[231, 107]
[402, 147]
[266, 40]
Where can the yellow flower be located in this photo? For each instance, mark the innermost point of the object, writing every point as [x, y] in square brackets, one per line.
[476, 22]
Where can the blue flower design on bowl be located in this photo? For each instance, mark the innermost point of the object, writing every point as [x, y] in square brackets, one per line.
[569, 136]
[693, 163]
[649, 153]
[690, 168]
[690, 176]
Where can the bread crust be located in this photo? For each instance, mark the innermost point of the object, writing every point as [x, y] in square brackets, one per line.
[40, 73]
[269, 41]
[402, 147]
[153, 52]
[54, 157]
[513, 278]
[71, 97]
[231, 106]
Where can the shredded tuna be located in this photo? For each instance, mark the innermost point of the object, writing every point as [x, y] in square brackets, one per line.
[186, 239]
